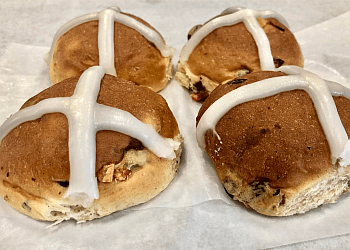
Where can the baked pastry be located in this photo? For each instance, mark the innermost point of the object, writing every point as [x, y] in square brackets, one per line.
[235, 43]
[279, 140]
[124, 44]
[65, 156]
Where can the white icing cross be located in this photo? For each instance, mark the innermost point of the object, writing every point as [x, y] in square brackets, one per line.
[319, 90]
[86, 117]
[106, 20]
[249, 18]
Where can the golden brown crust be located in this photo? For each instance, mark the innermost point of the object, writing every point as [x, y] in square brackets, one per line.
[272, 148]
[136, 58]
[34, 162]
[230, 51]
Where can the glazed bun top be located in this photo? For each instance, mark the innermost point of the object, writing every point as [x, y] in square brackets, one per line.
[235, 50]
[241, 39]
[43, 145]
[237, 42]
[278, 139]
[124, 44]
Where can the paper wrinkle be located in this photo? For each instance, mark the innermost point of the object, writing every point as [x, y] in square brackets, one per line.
[195, 199]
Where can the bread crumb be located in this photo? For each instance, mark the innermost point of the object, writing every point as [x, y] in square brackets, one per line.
[105, 174]
[121, 174]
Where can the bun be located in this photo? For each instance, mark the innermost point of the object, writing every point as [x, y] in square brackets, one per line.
[216, 56]
[35, 163]
[76, 47]
[272, 154]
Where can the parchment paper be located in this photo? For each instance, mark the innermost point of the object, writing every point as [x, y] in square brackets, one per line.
[194, 211]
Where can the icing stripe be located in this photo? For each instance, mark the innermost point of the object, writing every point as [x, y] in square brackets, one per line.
[336, 89]
[106, 41]
[85, 118]
[82, 133]
[147, 32]
[262, 42]
[65, 28]
[248, 17]
[29, 114]
[108, 118]
[313, 85]
[231, 10]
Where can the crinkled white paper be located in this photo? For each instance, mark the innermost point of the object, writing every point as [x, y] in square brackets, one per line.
[194, 211]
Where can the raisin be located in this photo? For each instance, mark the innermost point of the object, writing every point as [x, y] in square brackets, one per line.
[63, 183]
[134, 144]
[236, 81]
[200, 94]
[277, 192]
[278, 27]
[278, 62]
[26, 207]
